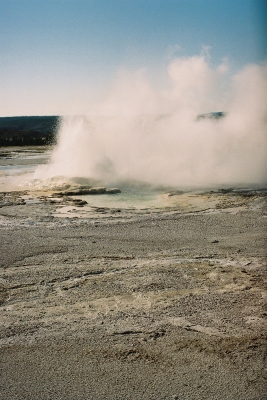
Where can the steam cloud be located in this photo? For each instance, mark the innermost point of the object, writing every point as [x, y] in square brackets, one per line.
[143, 133]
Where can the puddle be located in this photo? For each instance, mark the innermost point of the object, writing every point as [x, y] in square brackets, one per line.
[126, 200]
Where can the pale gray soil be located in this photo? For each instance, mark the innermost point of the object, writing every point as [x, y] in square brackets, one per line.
[127, 304]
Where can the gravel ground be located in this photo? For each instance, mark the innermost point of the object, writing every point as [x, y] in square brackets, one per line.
[133, 304]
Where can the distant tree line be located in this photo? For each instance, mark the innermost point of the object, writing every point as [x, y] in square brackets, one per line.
[28, 131]
[42, 130]
[213, 115]
[25, 138]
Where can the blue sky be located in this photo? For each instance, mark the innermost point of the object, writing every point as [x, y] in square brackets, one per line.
[58, 54]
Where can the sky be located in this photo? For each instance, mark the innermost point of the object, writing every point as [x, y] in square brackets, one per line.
[57, 56]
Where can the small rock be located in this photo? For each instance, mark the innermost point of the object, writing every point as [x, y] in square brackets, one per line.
[175, 193]
[79, 202]
[97, 190]
[113, 191]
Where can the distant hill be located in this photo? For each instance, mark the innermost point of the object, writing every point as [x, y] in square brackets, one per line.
[28, 131]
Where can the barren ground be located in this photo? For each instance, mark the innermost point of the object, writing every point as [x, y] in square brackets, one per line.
[102, 303]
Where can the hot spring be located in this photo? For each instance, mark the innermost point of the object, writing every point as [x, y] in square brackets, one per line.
[146, 139]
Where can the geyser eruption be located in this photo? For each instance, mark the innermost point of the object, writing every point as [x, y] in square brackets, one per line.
[147, 134]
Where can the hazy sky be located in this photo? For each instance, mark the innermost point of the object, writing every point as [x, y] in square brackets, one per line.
[56, 56]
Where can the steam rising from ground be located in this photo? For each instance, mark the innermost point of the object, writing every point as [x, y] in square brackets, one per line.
[143, 133]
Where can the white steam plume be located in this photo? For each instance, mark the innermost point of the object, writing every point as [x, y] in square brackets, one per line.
[146, 134]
